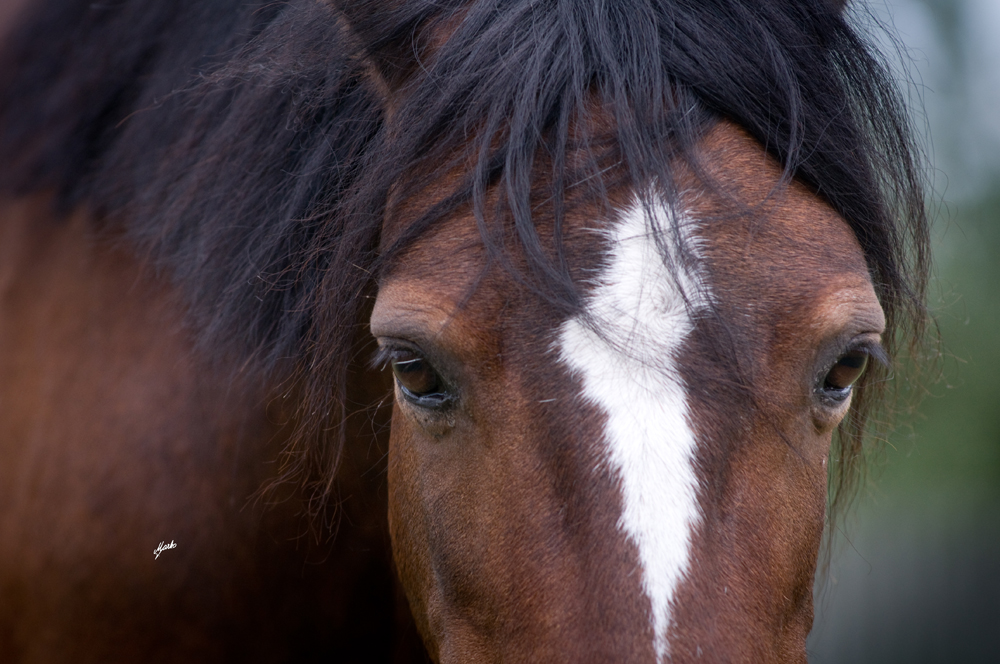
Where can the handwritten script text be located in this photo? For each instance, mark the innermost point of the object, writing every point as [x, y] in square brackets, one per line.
[163, 547]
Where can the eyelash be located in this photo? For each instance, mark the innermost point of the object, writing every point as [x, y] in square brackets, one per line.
[838, 381]
[418, 381]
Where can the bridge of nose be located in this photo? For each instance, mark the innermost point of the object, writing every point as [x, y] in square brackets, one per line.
[518, 542]
[532, 485]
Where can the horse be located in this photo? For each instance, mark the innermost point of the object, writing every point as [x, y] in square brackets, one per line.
[461, 331]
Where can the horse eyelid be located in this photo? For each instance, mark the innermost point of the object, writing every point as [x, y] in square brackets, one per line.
[868, 345]
[435, 401]
[874, 349]
[382, 358]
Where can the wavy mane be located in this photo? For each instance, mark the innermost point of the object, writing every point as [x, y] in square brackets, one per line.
[249, 147]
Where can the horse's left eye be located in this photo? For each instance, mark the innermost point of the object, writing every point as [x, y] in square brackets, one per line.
[842, 375]
[418, 380]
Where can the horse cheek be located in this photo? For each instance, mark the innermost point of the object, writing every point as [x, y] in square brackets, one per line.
[407, 531]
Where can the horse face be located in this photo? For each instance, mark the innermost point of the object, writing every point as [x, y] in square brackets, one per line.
[646, 478]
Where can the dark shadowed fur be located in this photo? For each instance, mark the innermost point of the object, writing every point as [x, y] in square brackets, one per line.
[250, 148]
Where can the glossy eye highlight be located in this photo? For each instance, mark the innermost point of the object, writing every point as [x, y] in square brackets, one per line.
[417, 379]
[847, 370]
[842, 376]
[415, 374]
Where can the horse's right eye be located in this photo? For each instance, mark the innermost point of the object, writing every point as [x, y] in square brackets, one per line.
[841, 378]
[417, 380]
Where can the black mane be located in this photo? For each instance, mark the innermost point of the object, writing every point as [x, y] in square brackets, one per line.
[249, 148]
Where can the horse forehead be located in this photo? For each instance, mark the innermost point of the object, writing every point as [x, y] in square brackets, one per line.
[761, 242]
[772, 242]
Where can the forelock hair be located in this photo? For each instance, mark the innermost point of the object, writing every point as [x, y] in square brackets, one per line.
[250, 147]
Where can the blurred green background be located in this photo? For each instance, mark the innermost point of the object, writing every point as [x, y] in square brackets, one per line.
[914, 570]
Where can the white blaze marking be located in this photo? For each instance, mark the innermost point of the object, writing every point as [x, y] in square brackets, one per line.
[628, 370]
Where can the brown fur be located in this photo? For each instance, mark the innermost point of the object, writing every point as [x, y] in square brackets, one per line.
[504, 533]
[115, 435]
[117, 432]
[776, 272]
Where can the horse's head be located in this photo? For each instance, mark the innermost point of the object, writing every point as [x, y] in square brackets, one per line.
[635, 264]
[616, 378]
[647, 475]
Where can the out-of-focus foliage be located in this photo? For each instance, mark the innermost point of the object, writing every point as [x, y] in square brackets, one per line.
[954, 449]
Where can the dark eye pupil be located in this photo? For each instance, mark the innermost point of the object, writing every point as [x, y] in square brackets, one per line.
[416, 376]
[847, 370]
